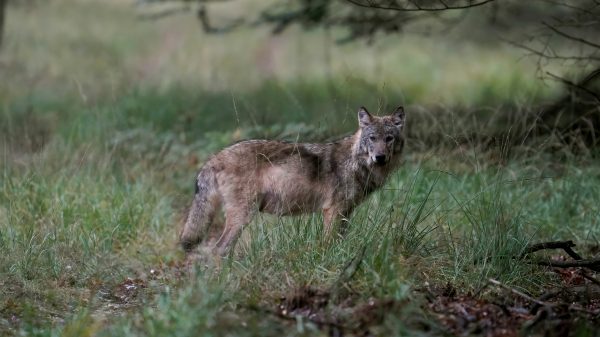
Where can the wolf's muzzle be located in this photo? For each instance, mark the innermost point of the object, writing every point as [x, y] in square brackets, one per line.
[380, 160]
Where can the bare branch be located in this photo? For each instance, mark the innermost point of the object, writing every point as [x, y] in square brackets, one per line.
[164, 14]
[571, 37]
[570, 6]
[590, 77]
[576, 86]
[417, 7]
[208, 28]
[553, 56]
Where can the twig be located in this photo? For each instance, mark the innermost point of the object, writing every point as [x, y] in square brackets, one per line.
[566, 5]
[539, 316]
[554, 55]
[590, 77]
[556, 107]
[578, 308]
[589, 291]
[520, 293]
[543, 298]
[547, 306]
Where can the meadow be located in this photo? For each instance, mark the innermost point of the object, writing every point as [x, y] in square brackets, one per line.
[105, 118]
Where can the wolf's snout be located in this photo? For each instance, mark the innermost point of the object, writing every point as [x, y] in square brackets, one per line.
[380, 159]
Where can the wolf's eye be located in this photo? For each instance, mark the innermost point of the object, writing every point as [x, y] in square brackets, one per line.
[372, 138]
[389, 139]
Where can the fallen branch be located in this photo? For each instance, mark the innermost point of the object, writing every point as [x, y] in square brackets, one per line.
[545, 297]
[520, 293]
[591, 292]
[539, 316]
[567, 246]
[547, 307]
[591, 263]
[564, 245]
[589, 277]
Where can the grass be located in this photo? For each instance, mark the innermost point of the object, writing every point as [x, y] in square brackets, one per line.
[73, 228]
[104, 126]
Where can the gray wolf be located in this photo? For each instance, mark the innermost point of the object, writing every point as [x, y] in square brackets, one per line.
[285, 178]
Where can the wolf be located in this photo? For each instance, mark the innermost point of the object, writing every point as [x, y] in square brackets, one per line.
[286, 178]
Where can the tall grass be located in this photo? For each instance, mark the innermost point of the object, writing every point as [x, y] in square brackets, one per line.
[69, 223]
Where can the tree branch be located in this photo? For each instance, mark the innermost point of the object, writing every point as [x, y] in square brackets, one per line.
[590, 77]
[208, 28]
[164, 14]
[576, 86]
[417, 7]
[571, 37]
[553, 56]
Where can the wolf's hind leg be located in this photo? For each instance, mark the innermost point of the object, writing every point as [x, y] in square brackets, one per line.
[202, 213]
[235, 219]
[198, 222]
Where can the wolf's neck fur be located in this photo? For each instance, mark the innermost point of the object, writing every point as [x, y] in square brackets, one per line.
[365, 178]
[358, 150]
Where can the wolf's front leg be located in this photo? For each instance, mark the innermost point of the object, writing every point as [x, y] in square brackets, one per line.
[335, 221]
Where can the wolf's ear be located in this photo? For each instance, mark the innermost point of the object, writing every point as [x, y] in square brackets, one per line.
[364, 117]
[398, 117]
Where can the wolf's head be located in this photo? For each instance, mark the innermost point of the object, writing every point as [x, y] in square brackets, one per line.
[381, 137]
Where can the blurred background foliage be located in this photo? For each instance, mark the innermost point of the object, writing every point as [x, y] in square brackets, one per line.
[307, 62]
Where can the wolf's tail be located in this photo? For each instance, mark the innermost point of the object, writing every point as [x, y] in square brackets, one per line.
[202, 212]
